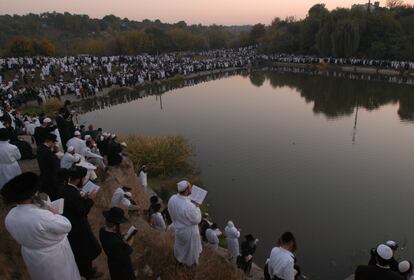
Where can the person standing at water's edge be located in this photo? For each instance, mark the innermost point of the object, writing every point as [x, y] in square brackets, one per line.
[381, 270]
[185, 216]
[281, 264]
[143, 177]
[42, 233]
[232, 235]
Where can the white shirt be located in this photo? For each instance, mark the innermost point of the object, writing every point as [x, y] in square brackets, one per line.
[45, 248]
[158, 221]
[186, 217]
[281, 264]
[9, 167]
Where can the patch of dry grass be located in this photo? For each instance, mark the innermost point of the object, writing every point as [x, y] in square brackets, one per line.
[164, 155]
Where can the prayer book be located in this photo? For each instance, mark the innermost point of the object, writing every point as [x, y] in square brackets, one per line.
[198, 195]
[57, 204]
[131, 232]
[90, 187]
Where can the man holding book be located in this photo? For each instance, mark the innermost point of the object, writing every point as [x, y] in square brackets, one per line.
[186, 216]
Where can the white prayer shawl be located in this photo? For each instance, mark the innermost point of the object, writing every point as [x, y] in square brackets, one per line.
[78, 144]
[119, 199]
[232, 235]
[158, 221]
[212, 238]
[45, 248]
[186, 217]
[281, 264]
[9, 167]
[67, 160]
[143, 179]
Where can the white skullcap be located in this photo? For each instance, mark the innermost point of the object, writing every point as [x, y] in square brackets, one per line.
[404, 266]
[123, 144]
[87, 137]
[384, 252]
[71, 149]
[230, 224]
[182, 185]
[392, 244]
[47, 120]
[77, 133]
[113, 135]
[128, 194]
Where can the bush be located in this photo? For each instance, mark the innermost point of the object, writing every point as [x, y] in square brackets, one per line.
[165, 155]
[52, 106]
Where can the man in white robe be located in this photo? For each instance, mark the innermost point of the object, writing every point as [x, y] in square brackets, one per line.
[41, 233]
[143, 177]
[69, 158]
[77, 143]
[9, 155]
[212, 234]
[232, 235]
[185, 216]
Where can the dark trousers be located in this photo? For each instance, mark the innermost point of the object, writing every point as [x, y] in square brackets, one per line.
[85, 268]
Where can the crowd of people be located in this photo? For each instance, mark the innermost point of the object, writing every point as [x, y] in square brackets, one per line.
[39, 78]
[23, 79]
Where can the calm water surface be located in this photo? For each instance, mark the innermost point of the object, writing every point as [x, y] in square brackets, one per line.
[327, 158]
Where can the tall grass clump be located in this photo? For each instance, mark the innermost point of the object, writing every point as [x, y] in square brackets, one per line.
[50, 108]
[163, 155]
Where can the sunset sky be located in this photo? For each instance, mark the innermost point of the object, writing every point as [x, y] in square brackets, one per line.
[192, 11]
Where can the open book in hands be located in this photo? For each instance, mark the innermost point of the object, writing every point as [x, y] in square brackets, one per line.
[131, 232]
[90, 187]
[57, 204]
[198, 195]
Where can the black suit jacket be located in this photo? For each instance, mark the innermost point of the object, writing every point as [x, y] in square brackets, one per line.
[49, 165]
[373, 272]
[84, 244]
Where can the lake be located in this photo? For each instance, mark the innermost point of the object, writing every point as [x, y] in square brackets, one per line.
[328, 158]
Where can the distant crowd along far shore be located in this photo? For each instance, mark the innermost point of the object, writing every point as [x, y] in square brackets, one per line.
[24, 79]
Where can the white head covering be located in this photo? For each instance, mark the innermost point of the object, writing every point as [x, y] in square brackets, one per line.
[384, 252]
[87, 137]
[71, 149]
[128, 194]
[404, 266]
[182, 185]
[113, 136]
[47, 120]
[392, 244]
[230, 224]
[77, 133]
[123, 144]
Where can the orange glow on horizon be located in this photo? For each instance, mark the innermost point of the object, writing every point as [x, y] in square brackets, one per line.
[227, 12]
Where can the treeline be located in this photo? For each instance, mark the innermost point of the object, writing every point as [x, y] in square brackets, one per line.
[373, 33]
[62, 34]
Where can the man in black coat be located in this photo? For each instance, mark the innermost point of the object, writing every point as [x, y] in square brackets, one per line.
[117, 250]
[114, 152]
[49, 165]
[77, 205]
[44, 130]
[381, 270]
[248, 248]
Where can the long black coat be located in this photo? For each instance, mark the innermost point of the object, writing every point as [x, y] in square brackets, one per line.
[118, 254]
[114, 153]
[373, 272]
[49, 165]
[84, 244]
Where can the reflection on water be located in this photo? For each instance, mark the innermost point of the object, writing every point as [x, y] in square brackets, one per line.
[328, 158]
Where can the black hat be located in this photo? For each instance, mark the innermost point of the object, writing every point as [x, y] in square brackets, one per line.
[4, 135]
[115, 215]
[154, 199]
[21, 187]
[126, 188]
[250, 237]
[51, 137]
[77, 172]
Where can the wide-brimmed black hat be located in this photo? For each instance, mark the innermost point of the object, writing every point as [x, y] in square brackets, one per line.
[51, 137]
[250, 237]
[77, 172]
[115, 215]
[21, 187]
[4, 134]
